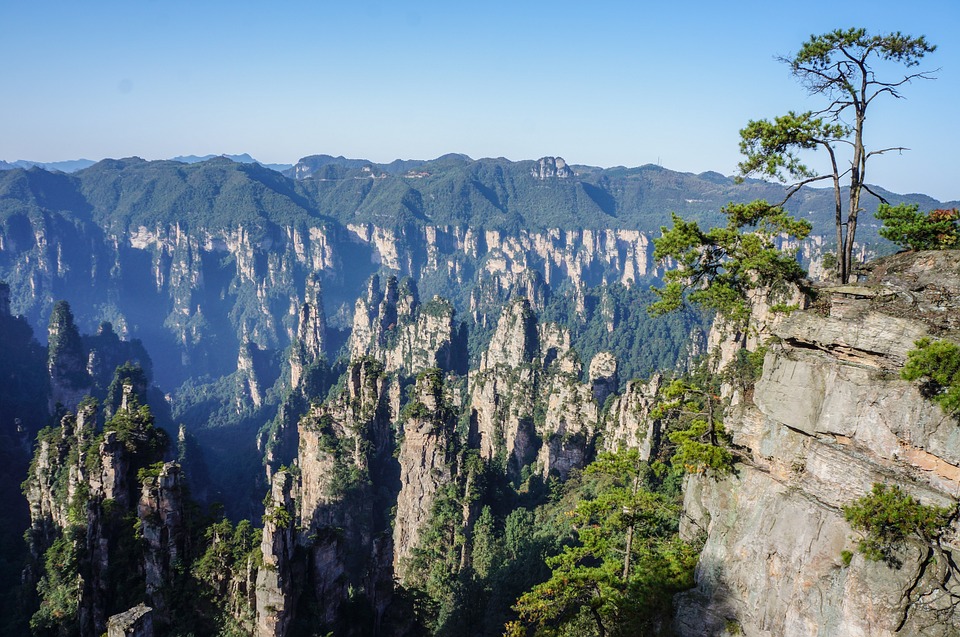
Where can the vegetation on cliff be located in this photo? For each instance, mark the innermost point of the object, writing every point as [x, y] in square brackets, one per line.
[721, 268]
[849, 68]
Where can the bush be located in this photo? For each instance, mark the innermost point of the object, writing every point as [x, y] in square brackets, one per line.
[888, 517]
[938, 363]
[909, 228]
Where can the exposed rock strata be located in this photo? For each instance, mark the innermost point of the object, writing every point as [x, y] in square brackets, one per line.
[527, 402]
[829, 418]
[426, 456]
[392, 326]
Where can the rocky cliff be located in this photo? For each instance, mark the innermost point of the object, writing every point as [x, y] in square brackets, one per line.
[392, 326]
[80, 490]
[829, 418]
[336, 539]
[427, 455]
[527, 402]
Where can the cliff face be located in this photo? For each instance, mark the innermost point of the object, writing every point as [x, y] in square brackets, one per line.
[526, 399]
[393, 327]
[427, 458]
[628, 422]
[275, 591]
[829, 418]
[80, 490]
[334, 541]
[162, 525]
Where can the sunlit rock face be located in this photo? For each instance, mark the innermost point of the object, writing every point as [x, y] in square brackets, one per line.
[830, 417]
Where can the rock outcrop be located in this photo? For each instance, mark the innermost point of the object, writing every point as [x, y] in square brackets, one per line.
[547, 167]
[163, 529]
[392, 326]
[136, 622]
[80, 489]
[526, 399]
[67, 366]
[629, 423]
[333, 541]
[830, 417]
[310, 344]
[427, 453]
[276, 592]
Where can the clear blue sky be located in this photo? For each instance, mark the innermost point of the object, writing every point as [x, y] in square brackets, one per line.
[602, 83]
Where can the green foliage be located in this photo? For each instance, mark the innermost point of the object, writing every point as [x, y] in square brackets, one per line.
[227, 554]
[279, 516]
[436, 560]
[691, 418]
[888, 517]
[695, 451]
[150, 472]
[66, 358]
[822, 52]
[841, 66]
[615, 319]
[719, 268]
[770, 147]
[909, 228]
[938, 363]
[846, 557]
[60, 587]
[623, 565]
[745, 368]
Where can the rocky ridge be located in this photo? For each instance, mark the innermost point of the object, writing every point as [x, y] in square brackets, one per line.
[828, 418]
[80, 486]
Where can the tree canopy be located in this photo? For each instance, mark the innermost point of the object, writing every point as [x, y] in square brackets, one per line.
[720, 267]
[849, 68]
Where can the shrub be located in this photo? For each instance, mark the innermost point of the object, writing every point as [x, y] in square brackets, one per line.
[938, 363]
[909, 228]
[888, 517]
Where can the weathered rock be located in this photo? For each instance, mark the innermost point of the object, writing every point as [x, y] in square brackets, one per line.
[310, 344]
[407, 336]
[136, 622]
[603, 376]
[426, 457]
[547, 167]
[628, 423]
[69, 381]
[331, 545]
[503, 388]
[829, 418]
[160, 511]
[527, 401]
[276, 588]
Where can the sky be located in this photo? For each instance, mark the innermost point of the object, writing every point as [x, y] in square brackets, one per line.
[602, 83]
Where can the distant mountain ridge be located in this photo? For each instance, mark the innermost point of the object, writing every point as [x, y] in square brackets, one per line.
[73, 165]
[68, 166]
[244, 158]
[453, 190]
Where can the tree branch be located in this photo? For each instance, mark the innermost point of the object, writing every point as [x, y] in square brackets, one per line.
[880, 197]
[884, 150]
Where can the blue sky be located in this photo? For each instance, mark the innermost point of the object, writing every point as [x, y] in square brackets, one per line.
[602, 83]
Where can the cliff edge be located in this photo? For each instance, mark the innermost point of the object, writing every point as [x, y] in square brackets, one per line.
[829, 417]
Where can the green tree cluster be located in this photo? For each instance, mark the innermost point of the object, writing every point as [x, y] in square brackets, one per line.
[690, 411]
[721, 267]
[909, 228]
[888, 517]
[622, 564]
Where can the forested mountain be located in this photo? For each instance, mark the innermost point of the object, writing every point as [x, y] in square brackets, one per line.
[386, 399]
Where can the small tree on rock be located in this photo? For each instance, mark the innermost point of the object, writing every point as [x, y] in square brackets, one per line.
[841, 66]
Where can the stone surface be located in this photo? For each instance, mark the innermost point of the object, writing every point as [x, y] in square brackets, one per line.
[136, 622]
[427, 462]
[829, 418]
